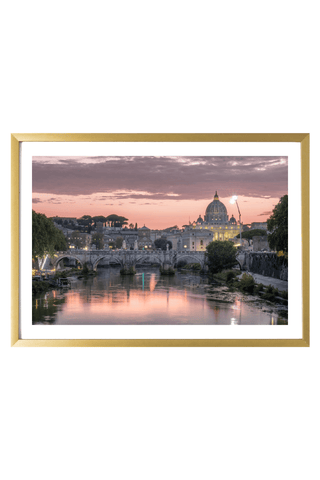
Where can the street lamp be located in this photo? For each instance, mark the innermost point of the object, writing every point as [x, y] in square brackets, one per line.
[233, 201]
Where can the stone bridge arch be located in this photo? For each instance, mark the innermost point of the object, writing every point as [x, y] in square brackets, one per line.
[148, 258]
[56, 261]
[114, 258]
[193, 259]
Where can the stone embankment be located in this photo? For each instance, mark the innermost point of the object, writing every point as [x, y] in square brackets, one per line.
[264, 263]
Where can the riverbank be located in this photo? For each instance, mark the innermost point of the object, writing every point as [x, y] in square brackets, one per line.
[281, 285]
[263, 293]
[43, 285]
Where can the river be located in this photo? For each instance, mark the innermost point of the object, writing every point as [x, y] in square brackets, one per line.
[148, 298]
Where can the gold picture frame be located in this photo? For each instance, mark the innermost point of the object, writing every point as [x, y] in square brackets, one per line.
[17, 139]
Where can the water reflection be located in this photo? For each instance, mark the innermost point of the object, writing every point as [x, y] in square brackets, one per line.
[46, 307]
[146, 298]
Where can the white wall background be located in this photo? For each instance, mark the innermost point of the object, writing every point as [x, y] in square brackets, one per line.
[161, 66]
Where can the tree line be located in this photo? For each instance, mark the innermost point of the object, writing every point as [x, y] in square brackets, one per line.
[46, 238]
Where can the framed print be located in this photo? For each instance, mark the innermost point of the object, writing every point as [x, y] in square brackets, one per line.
[160, 240]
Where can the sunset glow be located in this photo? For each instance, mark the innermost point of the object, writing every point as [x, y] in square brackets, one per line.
[157, 191]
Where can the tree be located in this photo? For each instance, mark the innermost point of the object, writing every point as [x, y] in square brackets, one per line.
[97, 240]
[131, 226]
[85, 220]
[256, 232]
[162, 243]
[221, 255]
[46, 238]
[99, 218]
[116, 220]
[136, 226]
[175, 227]
[119, 241]
[278, 226]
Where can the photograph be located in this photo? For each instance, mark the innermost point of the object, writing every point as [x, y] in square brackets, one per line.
[159, 240]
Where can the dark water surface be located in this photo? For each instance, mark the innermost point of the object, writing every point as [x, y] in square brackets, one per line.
[148, 299]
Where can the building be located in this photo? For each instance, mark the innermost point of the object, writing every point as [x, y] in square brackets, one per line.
[78, 240]
[127, 234]
[260, 225]
[215, 226]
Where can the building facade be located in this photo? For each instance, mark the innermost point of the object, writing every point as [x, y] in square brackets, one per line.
[215, 226]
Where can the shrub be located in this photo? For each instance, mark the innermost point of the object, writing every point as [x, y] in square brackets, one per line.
[230, 276]
[85, 269]
[247, 283]
[220, 256]
[284, 294]
[258, 288]
[269, 289]
[128, 271]
[268, 296]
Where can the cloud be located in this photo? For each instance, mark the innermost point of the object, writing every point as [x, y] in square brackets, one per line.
[36, 200]
[158, 178]
[264, 213]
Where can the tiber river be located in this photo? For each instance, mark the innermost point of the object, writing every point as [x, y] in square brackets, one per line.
[148, 298]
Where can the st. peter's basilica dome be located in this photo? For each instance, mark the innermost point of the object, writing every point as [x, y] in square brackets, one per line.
[216, 212]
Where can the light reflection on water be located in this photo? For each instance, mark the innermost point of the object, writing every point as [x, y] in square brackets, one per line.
[145, 298]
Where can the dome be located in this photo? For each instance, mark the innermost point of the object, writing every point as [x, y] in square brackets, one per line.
[144, 228]
[233, 220]
[200, 219]
[216, 211]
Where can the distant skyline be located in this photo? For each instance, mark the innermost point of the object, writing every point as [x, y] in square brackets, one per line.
[157, 191]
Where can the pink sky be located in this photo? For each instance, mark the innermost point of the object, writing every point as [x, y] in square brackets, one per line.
[157, 191]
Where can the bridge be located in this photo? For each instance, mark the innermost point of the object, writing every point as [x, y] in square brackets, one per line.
[130, 258]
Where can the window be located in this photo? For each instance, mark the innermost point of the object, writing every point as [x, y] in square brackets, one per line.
[201, 242]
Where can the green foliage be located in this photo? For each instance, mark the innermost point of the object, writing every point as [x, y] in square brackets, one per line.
[97, 240]
[46, 238]
[268, 296]
[162, 243]
[256, 232]
[230, 276]
[284, 294]
[225, 274]
[39, 286]
[119, 241]
[247, 283]
[278, 225]
[85, 223]
[128, 271]
[170, 228]
[99, 218]
[220, 256]
[116, 220]
[85, 269]
[270, 293]
[136, 226]
[258, 288]
[269, 289]
[192, 266]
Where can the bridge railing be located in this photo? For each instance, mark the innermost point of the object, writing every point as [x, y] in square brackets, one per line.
[130, 252]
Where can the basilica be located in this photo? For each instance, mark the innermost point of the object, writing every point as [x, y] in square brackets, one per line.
[215, 226]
